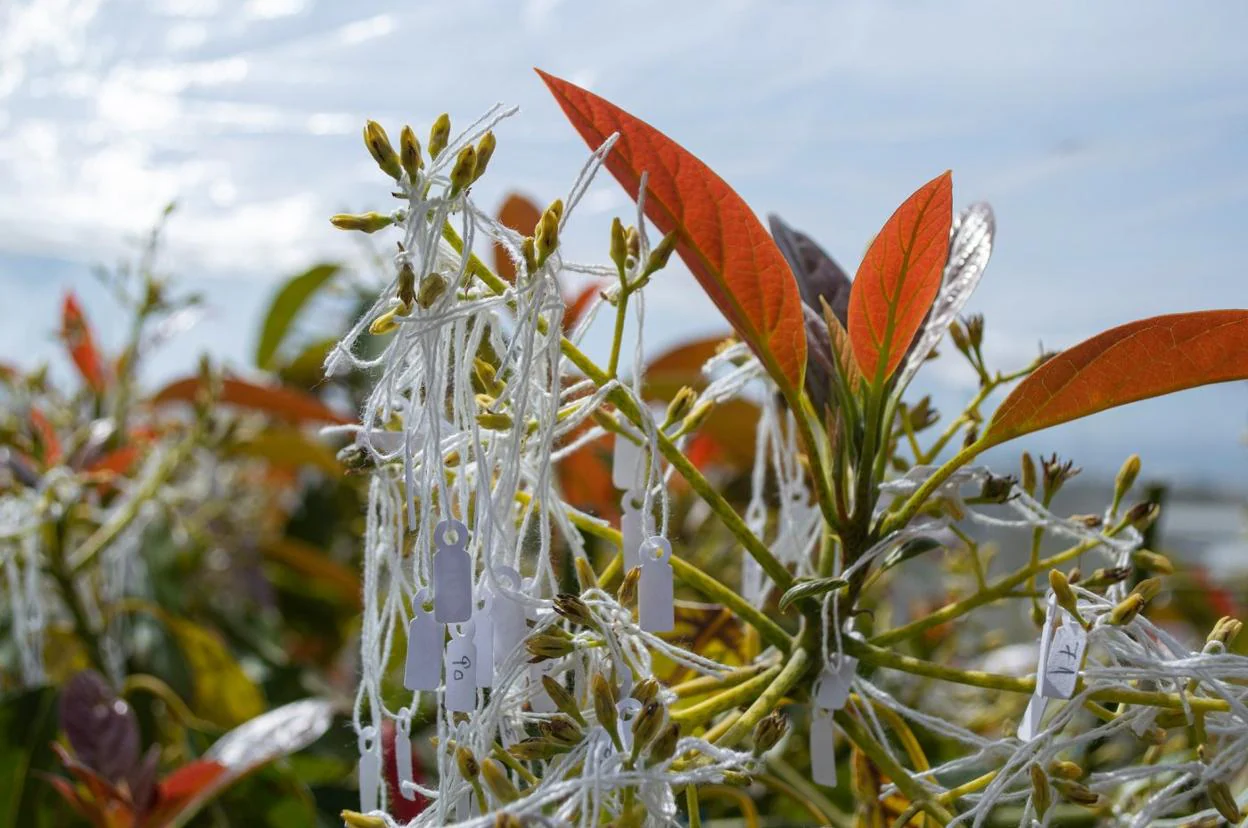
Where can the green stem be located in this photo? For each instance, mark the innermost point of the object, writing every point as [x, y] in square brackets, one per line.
[769, 700]
[617, 339]
[691, 803]
[910, 508]
[890, 767]
[736, 696]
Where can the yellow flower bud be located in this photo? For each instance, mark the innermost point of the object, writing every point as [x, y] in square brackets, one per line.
[619, 245]
[485, 151]
[496, 780]
[1151, 561]
[561, 729]
[378, 144]
[1126, 610]
[585, 573]
[645, 690]
[431, 289]
[463, 171]
[1224, 801]
[439, 135]
[1065, 595]
[647, 724]
[664, 746]
[1065, 769]
[680, 405]
[1077, 793]
[1148, 589]
[529, 250]
[407, 284]
[409, 153]
[467, 763]
[563, 699]
[1226, 630]
[364, 222]
[604, 707]
[1029, 474]
[769, 731]
[627, 593]
[546, 236]
[354, 819]
[660, 254]
[385, 323]
[697, 416]
[1041, 796]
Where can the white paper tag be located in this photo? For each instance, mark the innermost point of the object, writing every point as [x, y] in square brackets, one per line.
[628, 709]
[508, 617]
[1064, 660]
[483, 639]
[540, 701]
[370, 770]
[632, 527]
[833, 686]
[452, 573]
[423, 669]
[403, 754]
[627, 467]
[461, 670]
[822, 747]
[1033, 717]
[656, 597]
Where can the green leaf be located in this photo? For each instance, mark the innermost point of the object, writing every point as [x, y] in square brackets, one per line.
[910, 549]
[286, 306]
[810, 589]
[27, 726]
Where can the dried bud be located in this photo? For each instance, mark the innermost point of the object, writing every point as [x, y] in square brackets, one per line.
[1065, 769]
[1224, 801]
[544, 646]
[619, 245]
[1226, 630]
[574, 609]
[562, 729]
[958, 334]
[1126, 478]
[664, 746]
[1041, 796]
[972, 435]
[463, 171]
[1029, 474]
[537, 749]
[1151, 561]
[378, 144]
[627, 593]
[1143, 515]
[1061, 590]
[922, 415]
[1106, 576]
[1089, 521]
[439, 135]
[769, 731]
[355, 458]
[468, 766]
[485, 151]
[431, 289]
[680, 406]
[647, 724]
[975, 330]
[498, 783]
[563, 699]
[997, 489]
[660, 254]
[1056, 473]
[1077, 793]
[409, 153]
[1126, 610]
[646, 690]
[354, 819]
[364, 222]
[407, 284]
[604, 706]
[1148, 589]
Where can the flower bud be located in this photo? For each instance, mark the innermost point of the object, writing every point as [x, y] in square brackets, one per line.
[680, 406]
[627, 593]
[604, 706]
[561, 729]
[632, 245]
[431, 289]
[1106, 576]
[544, 646]
[485, 151]
[769, 731]
[439, 135]
[975, 330]
[996, 489]
[645, 690]
[529, 250]
[1143, 515]
[1056, 473]
[463, 170]
[1126, 478]
[546, 235]
[1061, 590]
[958, 334]
[647, 724]
[495, 421]
[1226, 630]
[468, 766]
[378, 144]
[1126, 610]
[407, 284]
[634, 817]
[1088, 521]
[409, 153]
[1224, 801]
[664, 746]
[385, 323]
[1065, 769]
[1148, 589]
[1150, 561]
[496, 780]
[364, 222]
[354, 819]
[1041, 796]
[574, 609]
[1029, 474]
[697, 416]
[556, 207]
[661, 253]
[563, 699]
[537, 749]
[619, 246]
[1076, 793]
[485, 378]
[585, 574]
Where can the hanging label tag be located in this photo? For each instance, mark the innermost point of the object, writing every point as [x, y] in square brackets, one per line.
[632, 527]
[483, 639]
[539, 700]
[461, 670]
[628, 710]
[656, 597]
[822, 748]
[508, 617]
[452, 573]
[833, 686]
[403, 754]
[423, 669]
[370, 770]
[1033, 717]
[1064, 660]
[626, 464]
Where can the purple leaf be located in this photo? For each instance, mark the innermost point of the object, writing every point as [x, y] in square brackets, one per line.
[102, 729]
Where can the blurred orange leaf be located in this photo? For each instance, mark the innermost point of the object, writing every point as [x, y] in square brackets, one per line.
[81, 344]
[286, 403]
[520, 214]
[575, 307]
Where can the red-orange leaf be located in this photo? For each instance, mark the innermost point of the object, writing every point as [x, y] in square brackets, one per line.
[81, 344]
[720, 239]
[899, 278]
[1132, 362]
[286, 403]
[575, 306]
[520, 214]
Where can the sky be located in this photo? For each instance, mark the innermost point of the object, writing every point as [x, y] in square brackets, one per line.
[1110, 138]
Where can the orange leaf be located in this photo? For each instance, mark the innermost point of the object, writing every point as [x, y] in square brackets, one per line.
[1141, 359]
[190, 779]
[575, 306]
[680, 366]
[899, 278]
[77, 335]
[285, 403]
[720, 239]
[522, 215]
